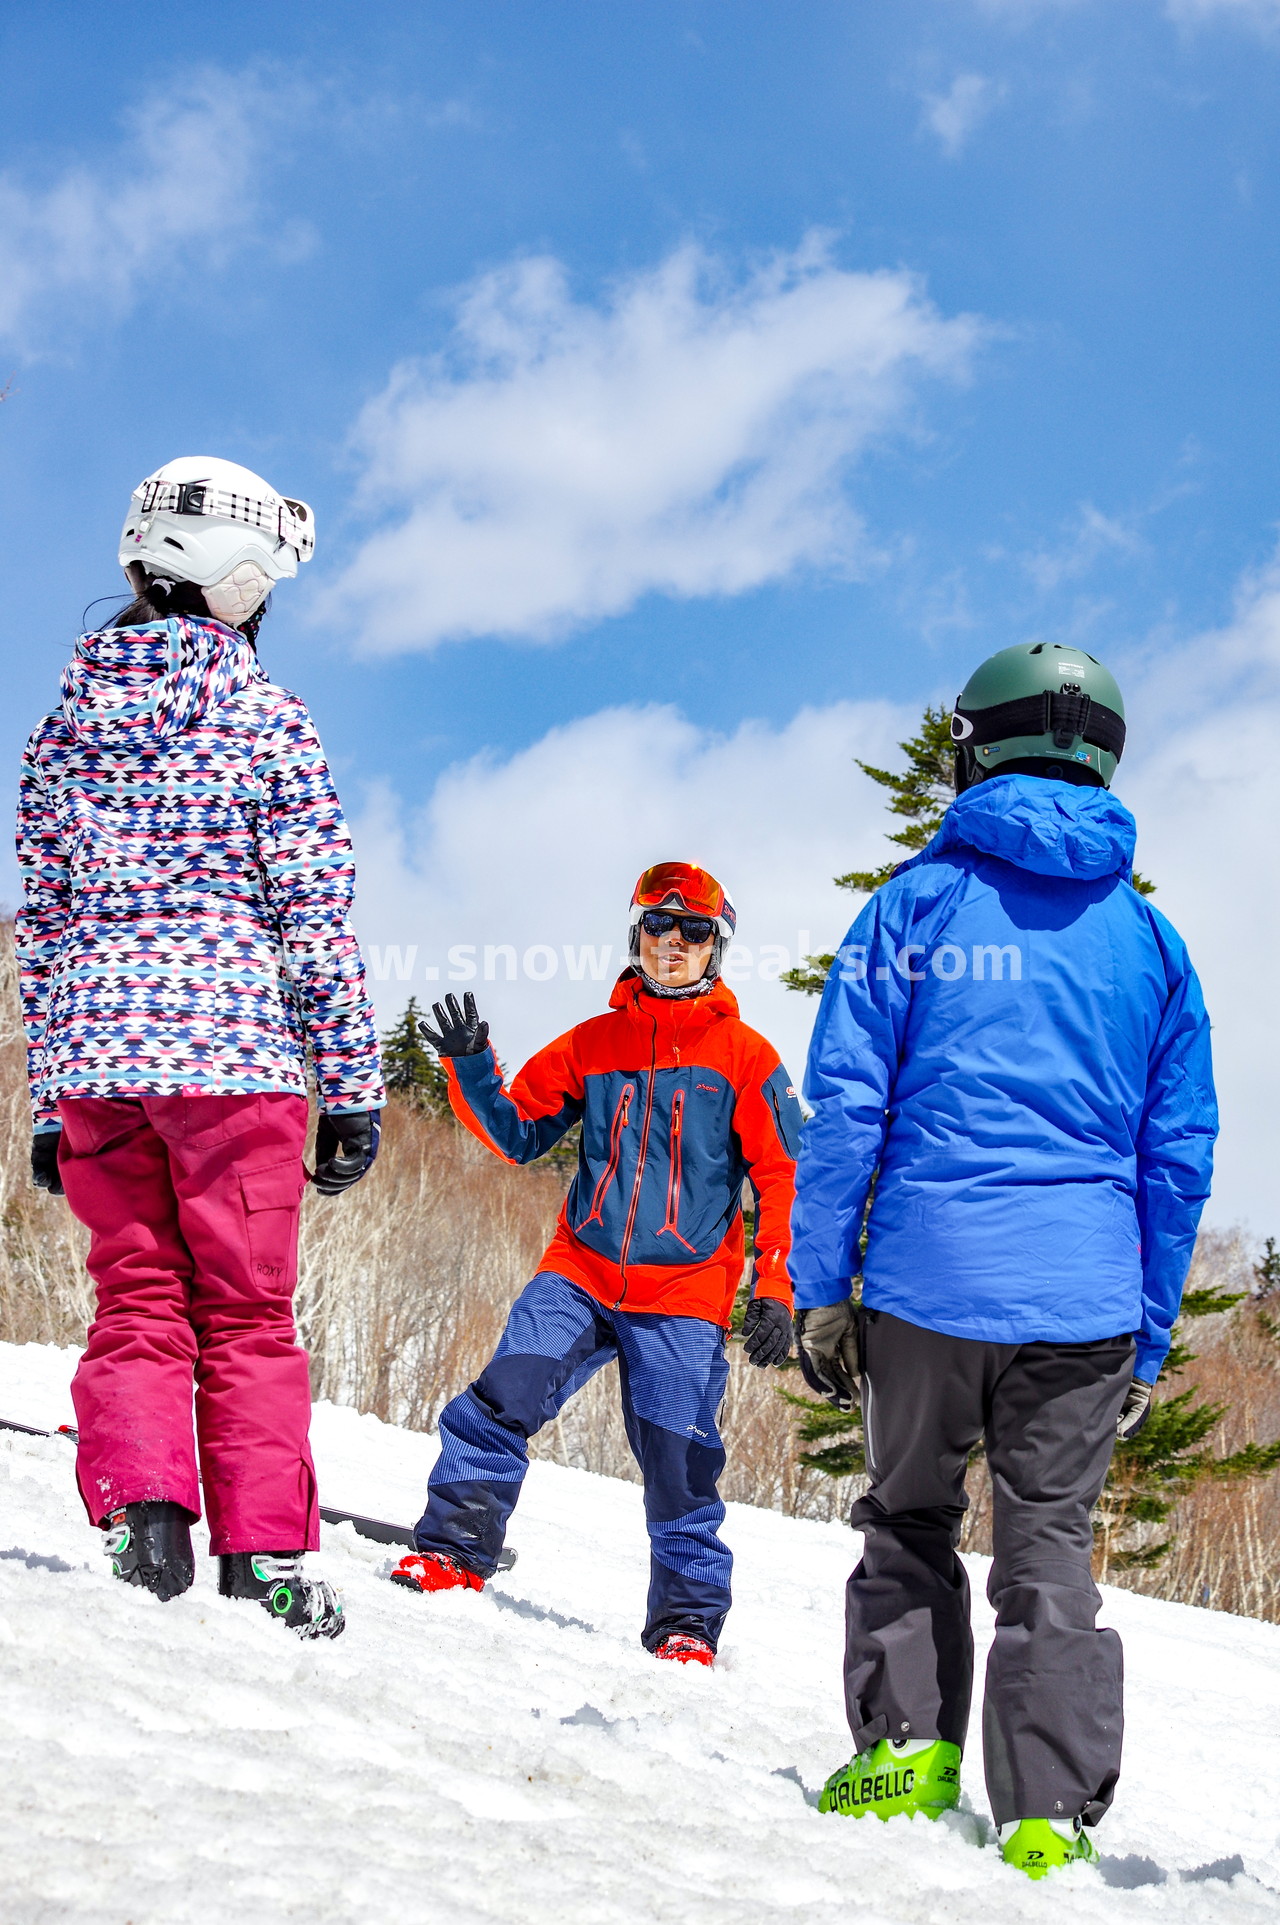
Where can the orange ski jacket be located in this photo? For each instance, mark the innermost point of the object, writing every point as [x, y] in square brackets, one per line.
[679, 1102]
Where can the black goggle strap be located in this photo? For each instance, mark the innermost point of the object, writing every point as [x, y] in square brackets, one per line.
[1053, 713]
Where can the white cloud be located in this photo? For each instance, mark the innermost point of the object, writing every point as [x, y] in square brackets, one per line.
[182, 183]
[690, 435]
[1092, 535]
[955, 115]
[542, 848]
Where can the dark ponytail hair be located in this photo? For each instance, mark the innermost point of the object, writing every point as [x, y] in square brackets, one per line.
[155, 600]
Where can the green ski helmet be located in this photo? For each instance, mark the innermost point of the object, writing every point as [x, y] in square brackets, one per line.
[1043, 702]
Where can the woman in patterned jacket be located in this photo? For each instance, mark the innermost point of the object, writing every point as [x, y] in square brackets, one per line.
[185, 948]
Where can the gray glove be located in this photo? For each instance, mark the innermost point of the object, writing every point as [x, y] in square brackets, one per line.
[1135, 1410]
[827, 1339]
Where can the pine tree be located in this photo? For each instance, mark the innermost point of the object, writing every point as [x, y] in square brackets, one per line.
[833, 1438]
[921, 795]
[410, 1067]
[1267, 1273]
[1161, 1464]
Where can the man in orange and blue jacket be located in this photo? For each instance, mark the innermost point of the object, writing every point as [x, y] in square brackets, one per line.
[679, 1104]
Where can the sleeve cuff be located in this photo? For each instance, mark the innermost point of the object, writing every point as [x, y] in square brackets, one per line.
[1149, 1361]
[814, 1293]
[481, 1063]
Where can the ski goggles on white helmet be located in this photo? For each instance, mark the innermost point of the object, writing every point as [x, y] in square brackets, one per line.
[291, 522]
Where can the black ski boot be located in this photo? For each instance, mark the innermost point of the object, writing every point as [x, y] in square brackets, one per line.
[150, 1544]
[308, 1605]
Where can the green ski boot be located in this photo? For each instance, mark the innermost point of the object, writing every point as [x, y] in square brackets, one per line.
[1038, 1846]
[911, 1776]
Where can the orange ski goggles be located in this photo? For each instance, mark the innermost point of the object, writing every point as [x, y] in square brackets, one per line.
[684, 887]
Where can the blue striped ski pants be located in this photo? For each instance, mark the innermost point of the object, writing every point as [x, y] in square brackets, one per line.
[672, 1375]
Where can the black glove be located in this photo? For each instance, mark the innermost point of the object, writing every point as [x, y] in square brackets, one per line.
[1134, 1411]
[827, 1340]
[460, 1035]
[766, 1331]
[44, 1161]
[345, 1147]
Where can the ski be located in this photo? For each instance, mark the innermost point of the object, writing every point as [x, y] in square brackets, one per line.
[374, 1528]
[383, 1533]
[68, 1431]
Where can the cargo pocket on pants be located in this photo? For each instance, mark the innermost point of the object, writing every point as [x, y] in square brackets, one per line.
[272, 1199]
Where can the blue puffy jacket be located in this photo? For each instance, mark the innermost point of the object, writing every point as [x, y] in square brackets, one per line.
[1016, 1040]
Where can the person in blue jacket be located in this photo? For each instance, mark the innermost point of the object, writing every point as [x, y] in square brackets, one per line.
[1012, 1046]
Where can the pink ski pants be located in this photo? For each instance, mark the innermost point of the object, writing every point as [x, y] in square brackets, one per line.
[192, 1205]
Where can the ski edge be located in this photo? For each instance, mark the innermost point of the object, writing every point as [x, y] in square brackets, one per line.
[380, 1532]
[68, 1431]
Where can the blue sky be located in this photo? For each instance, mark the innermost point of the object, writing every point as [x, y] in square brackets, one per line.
[770, 364]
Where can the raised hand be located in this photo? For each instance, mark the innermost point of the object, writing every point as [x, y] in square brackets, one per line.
[461, 1033]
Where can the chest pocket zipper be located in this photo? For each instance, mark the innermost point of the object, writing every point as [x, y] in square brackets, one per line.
[671, 1225]
[621, 1117]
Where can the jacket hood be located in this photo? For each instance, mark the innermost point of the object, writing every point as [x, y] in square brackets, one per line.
[1051, 828]
[135, 685]
[629, 988]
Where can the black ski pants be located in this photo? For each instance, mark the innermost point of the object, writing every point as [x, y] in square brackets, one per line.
[1053, 1713]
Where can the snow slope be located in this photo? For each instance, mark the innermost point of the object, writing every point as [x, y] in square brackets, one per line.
[517, 1756]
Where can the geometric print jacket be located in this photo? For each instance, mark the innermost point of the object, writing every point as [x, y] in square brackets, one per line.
[187, 876]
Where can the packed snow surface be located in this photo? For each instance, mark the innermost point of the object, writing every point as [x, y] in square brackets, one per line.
[517, 1756]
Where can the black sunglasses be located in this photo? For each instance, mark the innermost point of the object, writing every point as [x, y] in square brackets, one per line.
[694, 929]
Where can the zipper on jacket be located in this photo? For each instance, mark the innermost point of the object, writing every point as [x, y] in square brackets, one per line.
[673, 1181]
[621, 1115]
[640, 1161]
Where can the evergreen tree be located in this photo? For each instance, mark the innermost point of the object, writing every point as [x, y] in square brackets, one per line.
[563, 1156]
[1267, 1273]
[832, 1438]
[921, 795]
[1161, 1464]
[410, 1067]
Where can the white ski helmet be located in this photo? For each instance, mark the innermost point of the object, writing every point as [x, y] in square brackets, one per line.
[220, 526]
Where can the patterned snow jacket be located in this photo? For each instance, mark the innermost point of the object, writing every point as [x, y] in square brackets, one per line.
[187, 876]
[679, 1102]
